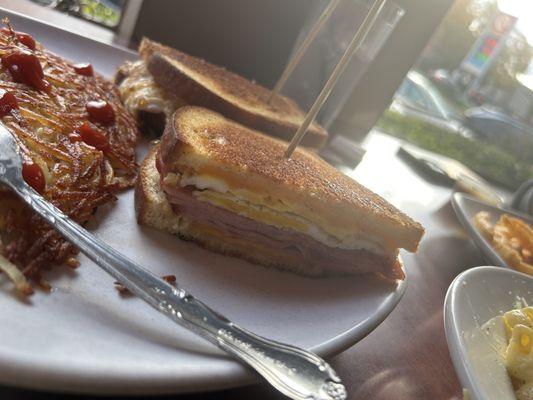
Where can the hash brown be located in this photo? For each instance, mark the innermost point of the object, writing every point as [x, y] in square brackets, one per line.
[80, 173]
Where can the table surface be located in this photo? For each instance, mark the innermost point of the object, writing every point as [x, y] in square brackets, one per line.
[406, 357]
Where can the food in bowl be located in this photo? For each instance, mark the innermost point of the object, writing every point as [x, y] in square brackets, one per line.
[511, 237]
[511, 336]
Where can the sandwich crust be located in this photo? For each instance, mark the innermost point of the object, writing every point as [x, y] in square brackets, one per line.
[200, 142]
[151, 205]
[201, 83]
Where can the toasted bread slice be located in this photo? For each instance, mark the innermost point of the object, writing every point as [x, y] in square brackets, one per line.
[200, 83]
[209, 151]
[151, 205]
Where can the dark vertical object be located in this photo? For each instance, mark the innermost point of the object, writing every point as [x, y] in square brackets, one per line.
[251, 37]
[374, 92]
[255, 38]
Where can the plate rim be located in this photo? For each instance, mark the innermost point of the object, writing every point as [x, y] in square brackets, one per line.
[50, 25]
[458, 199]
[454, 339]
[70, 382]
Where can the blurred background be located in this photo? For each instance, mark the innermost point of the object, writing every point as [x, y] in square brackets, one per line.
[453, 77]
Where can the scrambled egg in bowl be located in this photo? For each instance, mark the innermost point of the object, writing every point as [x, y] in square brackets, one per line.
[518, 354]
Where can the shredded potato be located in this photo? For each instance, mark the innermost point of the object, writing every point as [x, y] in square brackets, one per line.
[483, 224]
[78, 177]
[22, 285]
[511, 237]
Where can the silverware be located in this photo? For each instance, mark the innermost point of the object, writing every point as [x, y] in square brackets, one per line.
[295, 372]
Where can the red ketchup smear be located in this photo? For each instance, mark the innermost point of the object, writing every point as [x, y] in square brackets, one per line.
[33, 175]
[92, 136]
[24, 38]
[26, 68]
[100, 111]
[84, 69]
[8, 102]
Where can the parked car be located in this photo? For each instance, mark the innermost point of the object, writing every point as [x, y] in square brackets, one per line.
[417, 97]
[492, 125]
[444, 82]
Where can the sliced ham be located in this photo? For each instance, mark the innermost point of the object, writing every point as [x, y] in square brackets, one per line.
[315, 253]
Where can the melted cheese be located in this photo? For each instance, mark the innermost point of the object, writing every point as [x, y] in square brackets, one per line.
[204, 182]
[139, 92]
[217, 192]
[253, 211]
[519, 357]
[515, 344]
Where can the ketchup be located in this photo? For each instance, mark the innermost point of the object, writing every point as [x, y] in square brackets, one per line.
[8, 102]
[24, 38]
[33, 175]
[100, 111]
[92, 136]
[26, 68]
[84, 69]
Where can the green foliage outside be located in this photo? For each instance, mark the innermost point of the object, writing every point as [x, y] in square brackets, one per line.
[493, 163]
[95, 10]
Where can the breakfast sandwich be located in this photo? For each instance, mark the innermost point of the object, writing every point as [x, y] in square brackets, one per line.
[230, 188]
[77, 144]
[165, 79]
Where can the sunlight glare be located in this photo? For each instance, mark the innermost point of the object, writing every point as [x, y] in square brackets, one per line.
[523, 9]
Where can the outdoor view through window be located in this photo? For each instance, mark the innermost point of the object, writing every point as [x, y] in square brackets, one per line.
[470, 96]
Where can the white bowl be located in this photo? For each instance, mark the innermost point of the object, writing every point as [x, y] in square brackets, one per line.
[474, 297]
[467, 207]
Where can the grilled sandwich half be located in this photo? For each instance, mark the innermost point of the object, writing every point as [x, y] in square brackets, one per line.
[165, 79]
[229, 188]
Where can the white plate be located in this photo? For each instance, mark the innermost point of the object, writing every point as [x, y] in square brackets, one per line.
[84, 338]
[474, 297]
[467, 207]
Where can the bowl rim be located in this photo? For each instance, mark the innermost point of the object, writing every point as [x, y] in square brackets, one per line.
[454, 337]
[481, 242]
